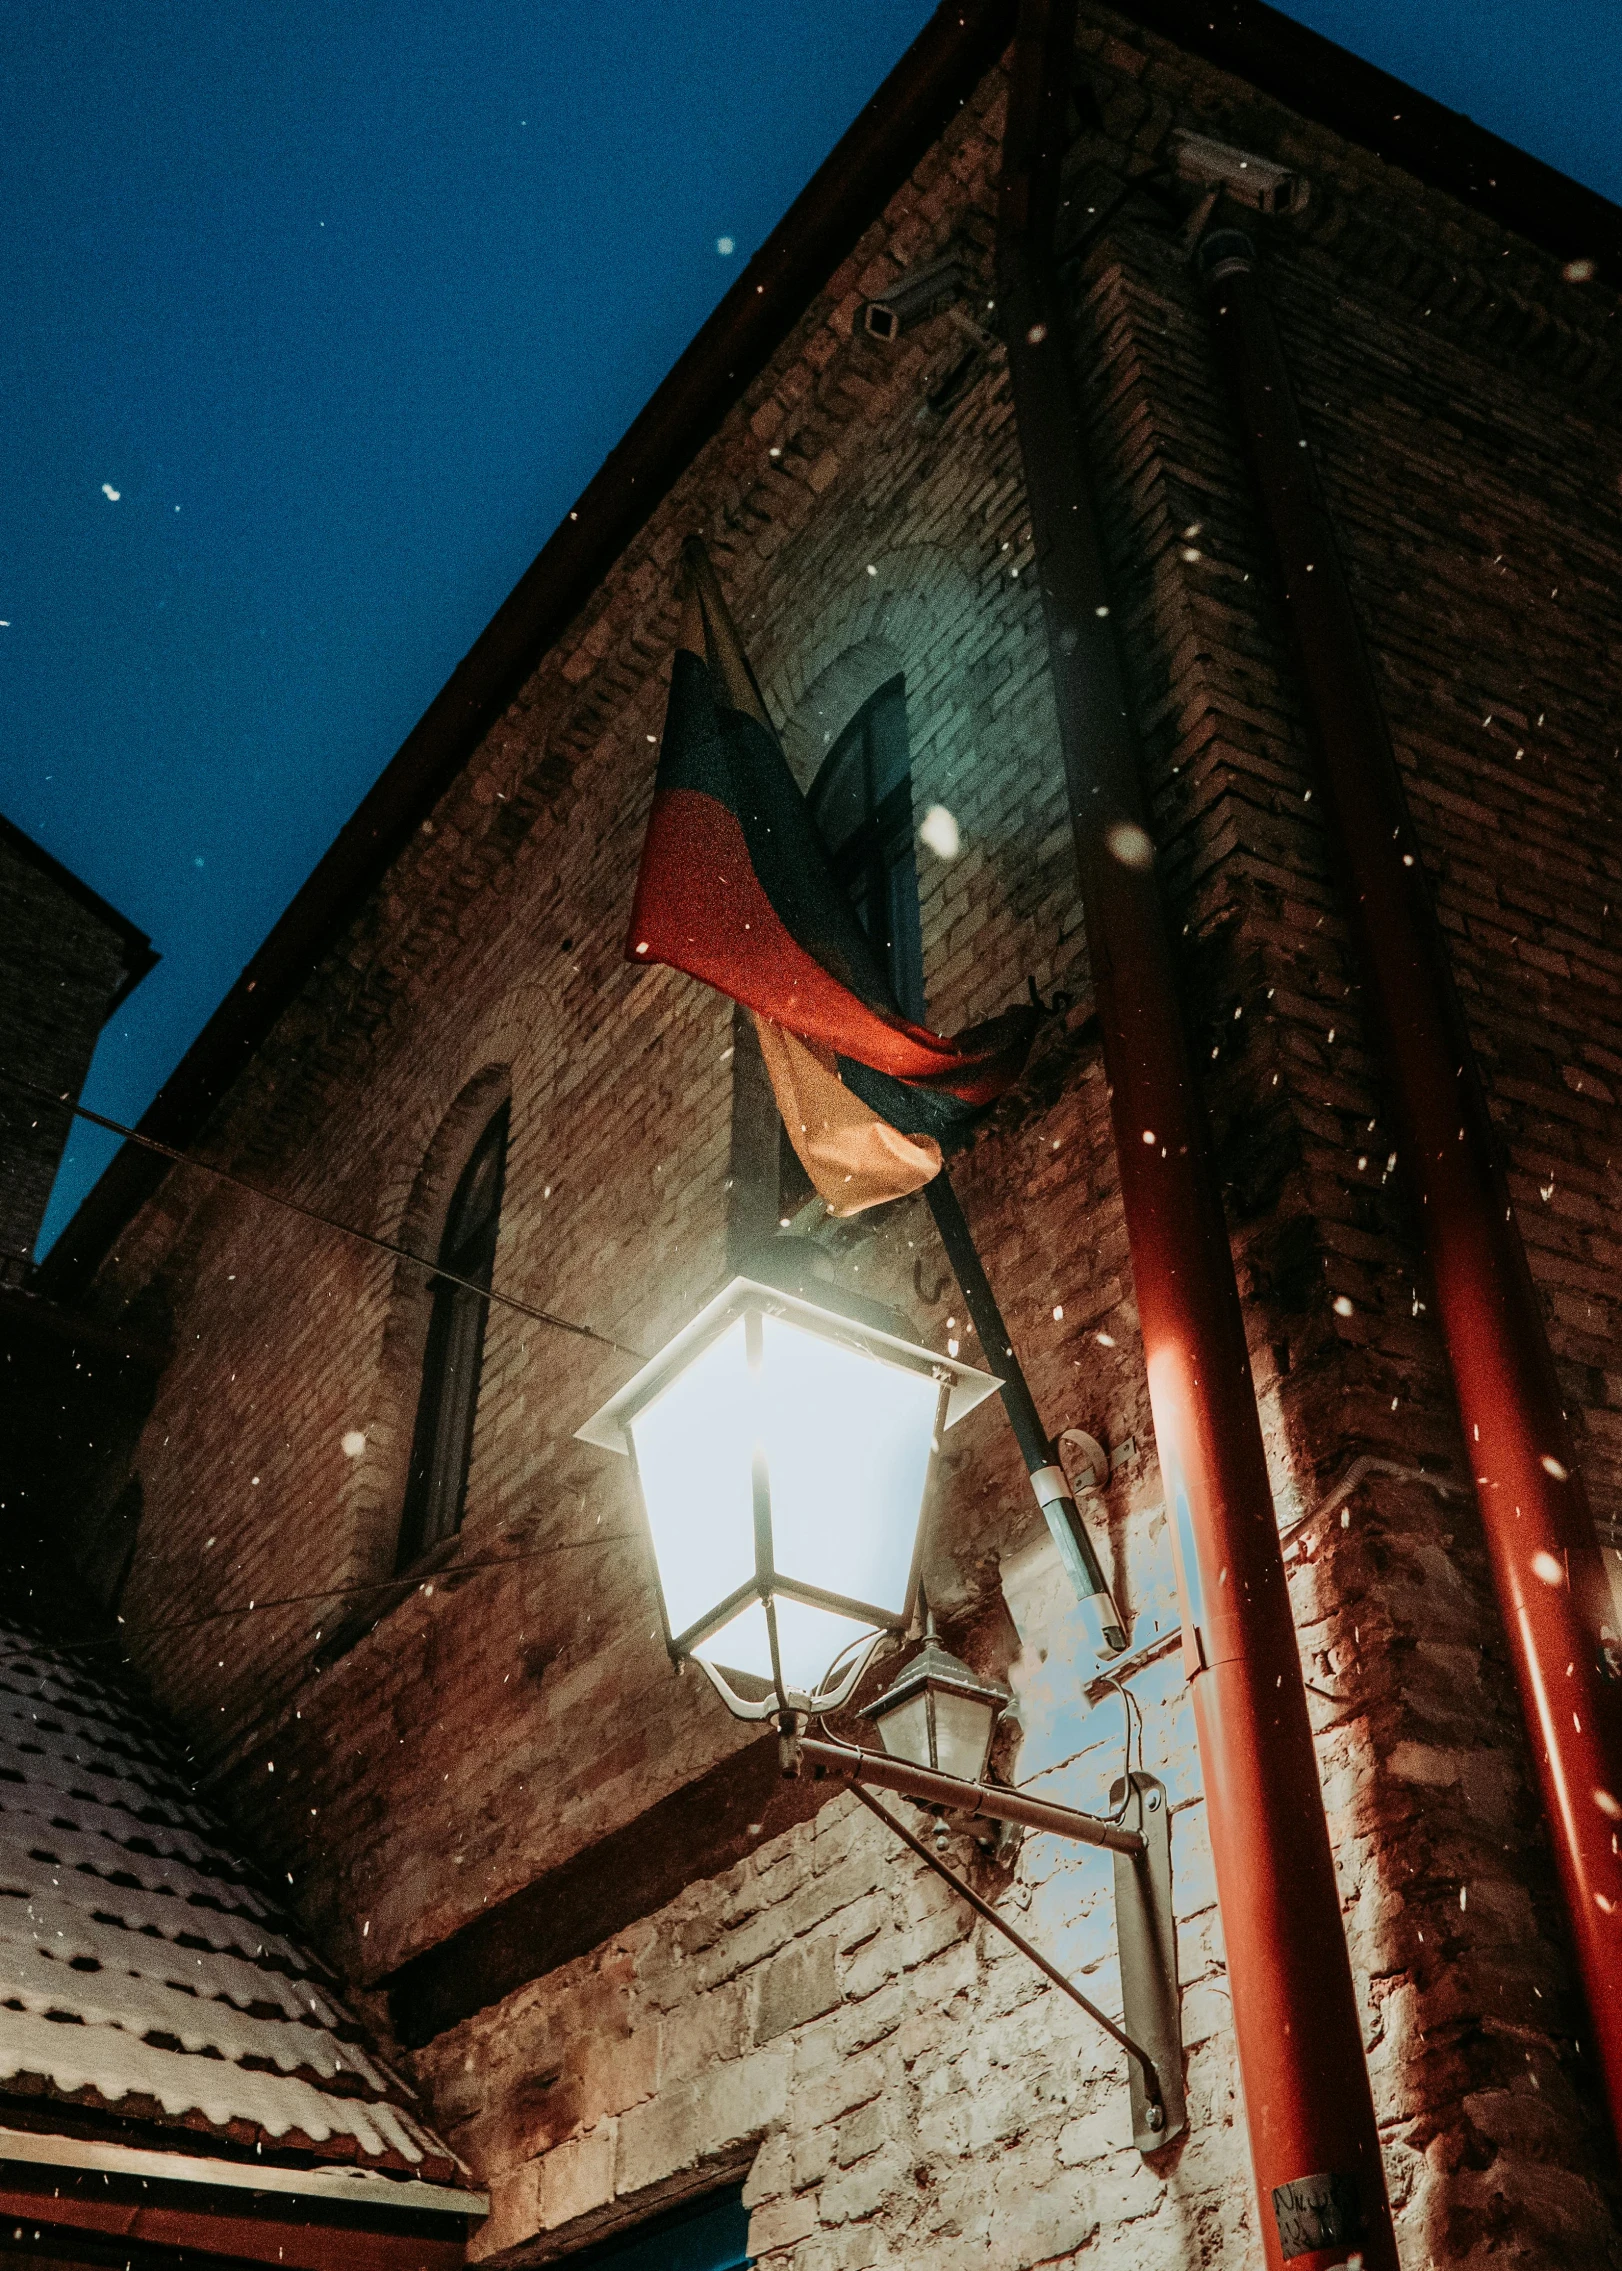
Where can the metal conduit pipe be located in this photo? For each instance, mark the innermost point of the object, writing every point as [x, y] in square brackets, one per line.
[1105, 1632]
[1313, 2140]
[1547, 1568]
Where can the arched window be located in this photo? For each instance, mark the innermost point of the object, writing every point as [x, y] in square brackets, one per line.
[861, 801]
[442, 1445]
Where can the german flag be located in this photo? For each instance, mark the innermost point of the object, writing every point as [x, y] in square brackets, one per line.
[736, 888]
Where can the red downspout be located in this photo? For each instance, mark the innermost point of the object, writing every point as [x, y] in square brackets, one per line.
[1547, 1568]
[1313, 2139]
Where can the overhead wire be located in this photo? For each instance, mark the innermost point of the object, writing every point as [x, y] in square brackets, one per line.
[404, 1582]
[328, 1222]
[297, 1207]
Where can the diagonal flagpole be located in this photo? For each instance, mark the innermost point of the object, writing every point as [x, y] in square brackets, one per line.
[1106, 1628]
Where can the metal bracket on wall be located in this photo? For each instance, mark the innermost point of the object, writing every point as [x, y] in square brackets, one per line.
[1146, 1943]
[1150, 2029]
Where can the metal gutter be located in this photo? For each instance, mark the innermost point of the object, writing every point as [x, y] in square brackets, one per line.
[358, 2188]
[1314, 2146]
[1553, 1591]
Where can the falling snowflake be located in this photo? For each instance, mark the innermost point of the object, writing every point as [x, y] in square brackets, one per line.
[938, 831]
[111, 494]
[1130, 844]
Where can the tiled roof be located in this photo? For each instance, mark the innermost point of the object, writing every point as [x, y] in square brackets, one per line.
[146, 1971]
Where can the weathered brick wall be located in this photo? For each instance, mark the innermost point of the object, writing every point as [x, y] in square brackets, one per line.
[59, 969]
[1446, 404]
[900, 2083]
[912, 2092]
[499, 943]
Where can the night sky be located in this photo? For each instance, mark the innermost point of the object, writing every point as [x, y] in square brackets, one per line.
[317, 320]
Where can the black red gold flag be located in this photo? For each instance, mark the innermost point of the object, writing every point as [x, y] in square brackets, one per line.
[736, 888]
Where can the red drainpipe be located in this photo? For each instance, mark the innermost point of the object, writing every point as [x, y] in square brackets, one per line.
[1313, 2139]
[1547, 1568]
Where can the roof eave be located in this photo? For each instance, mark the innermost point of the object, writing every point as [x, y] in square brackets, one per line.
[354, 2187]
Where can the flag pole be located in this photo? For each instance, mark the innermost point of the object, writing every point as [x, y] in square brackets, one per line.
[1106, 1628]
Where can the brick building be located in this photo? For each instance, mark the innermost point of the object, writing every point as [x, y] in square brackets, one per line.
[72, 1394]
[178, 2073]
[67, 959]
[631, 1966]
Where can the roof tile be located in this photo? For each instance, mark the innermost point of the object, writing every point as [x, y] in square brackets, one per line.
[145, 1967]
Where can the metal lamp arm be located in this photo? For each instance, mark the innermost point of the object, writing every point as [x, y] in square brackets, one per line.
[1134, 2050]
[1145, 1922]
[932, 1788]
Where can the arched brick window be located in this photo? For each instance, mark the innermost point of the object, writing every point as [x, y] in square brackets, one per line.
[442, 1442]
[861, 801]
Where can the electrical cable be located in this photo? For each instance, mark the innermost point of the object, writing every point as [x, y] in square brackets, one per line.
[327, 1222]
[342, 1592]
[1129, 1705]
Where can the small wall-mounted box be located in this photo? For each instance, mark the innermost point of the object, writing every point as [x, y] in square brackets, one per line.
[916, 295]
[1256, 182]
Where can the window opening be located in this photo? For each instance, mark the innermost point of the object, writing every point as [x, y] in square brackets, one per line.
[442, 1446]
[861, 801]
[713, 2236]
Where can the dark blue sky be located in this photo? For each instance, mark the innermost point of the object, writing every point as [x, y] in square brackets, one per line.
[347, 304]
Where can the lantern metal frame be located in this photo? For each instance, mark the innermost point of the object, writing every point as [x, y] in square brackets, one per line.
[1138, 1836]
[962, 1387]
[936, 1671]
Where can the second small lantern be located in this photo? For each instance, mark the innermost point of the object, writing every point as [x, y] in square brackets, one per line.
[939, 1713]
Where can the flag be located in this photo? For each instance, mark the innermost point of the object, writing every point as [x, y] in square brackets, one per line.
[736, 888]
[854, 1158]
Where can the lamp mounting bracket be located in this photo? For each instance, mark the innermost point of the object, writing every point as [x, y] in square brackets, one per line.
[1159, 2107]
[1139, 1837]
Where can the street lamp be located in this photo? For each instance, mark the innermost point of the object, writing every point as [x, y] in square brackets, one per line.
[783, 1450]
[939, 1714]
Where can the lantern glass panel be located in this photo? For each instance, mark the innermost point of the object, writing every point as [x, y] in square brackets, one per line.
[694, 1447]
[963, 1727]
[904, 1731]
[808, 1639]
[848, 1438]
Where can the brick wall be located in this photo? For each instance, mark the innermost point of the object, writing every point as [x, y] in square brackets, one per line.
[898, 2087]
[62, 962]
